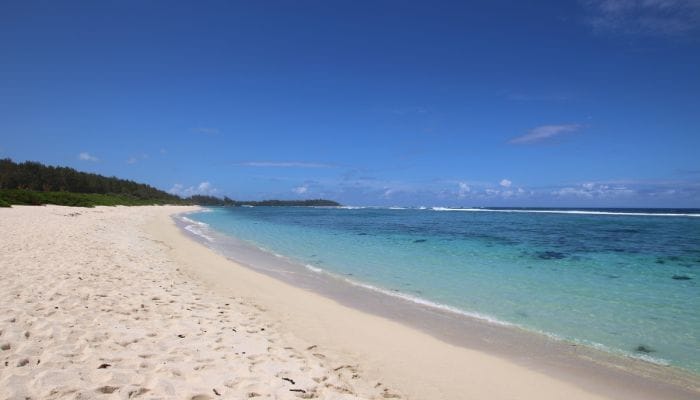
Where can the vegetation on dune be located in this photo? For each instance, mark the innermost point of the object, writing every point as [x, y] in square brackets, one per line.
[33, 183]
[59, 185]
[34, 198]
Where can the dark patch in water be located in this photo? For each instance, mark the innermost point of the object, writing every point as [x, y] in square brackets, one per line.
[420, 241]
[613, 276]
[491, 238]
[644, 349]
[522, 314]
[362, 234]
[622, 230]
[681, 277]
[550, 255]
[673, 260]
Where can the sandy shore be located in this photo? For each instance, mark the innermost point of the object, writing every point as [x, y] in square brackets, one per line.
[118, 303]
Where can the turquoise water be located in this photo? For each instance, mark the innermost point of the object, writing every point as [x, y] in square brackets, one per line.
[626, 281]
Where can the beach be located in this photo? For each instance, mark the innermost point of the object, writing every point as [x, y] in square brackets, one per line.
[116, 302]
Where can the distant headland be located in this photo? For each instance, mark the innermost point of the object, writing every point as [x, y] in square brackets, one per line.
[227, 202]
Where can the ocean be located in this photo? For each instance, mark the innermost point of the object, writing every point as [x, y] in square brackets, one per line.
[626, 281]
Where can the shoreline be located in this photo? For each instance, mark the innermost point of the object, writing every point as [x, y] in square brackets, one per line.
[595, 371]
[337, 287]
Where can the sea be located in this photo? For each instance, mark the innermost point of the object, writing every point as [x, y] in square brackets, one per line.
[625, 281]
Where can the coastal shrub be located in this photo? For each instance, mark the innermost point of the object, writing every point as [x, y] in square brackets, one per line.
[34, 198]
[20, 197]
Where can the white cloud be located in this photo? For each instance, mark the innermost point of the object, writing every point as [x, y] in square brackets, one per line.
[505, 183]
[284, 164]
[135, 159]
[85, 156]
[300, 189]
[544, 132]
[204, 188]
[591, 190]
[464, 189]
[644, 17]
[176, 189]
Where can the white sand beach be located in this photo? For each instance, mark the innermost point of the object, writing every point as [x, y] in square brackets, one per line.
[115, 302]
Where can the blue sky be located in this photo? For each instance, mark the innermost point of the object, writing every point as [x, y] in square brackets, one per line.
[507, 103]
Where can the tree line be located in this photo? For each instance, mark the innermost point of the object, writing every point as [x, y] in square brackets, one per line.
[34, 176]
[34, 183]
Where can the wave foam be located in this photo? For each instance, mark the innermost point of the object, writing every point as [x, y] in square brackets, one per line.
[428, 303]
[193, 229]
[312, 268]
[581, 212]
[191, 221]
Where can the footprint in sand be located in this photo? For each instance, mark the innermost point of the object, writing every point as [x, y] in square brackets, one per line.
[107, 389]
